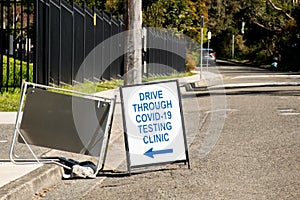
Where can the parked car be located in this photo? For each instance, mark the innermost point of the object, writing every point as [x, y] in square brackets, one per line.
[209, 56]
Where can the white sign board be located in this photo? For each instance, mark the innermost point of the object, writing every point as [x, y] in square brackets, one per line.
[153, 124]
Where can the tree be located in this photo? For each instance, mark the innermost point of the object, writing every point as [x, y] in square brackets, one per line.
[181, 16]
[269, 25]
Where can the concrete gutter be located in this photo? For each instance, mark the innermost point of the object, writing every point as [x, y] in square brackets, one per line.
[26, 186]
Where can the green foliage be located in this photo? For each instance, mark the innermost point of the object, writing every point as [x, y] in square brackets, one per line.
[178, 15]
[9, 100]
[90, 3]
[192, 60]
[270, 26]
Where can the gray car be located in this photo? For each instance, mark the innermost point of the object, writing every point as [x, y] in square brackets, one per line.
[209, 56]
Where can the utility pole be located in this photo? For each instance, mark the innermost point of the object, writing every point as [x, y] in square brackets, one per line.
[208, 41]
[201, 46]
[133, 42]
[232, 46]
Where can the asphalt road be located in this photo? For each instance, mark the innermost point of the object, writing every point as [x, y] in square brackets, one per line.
[256, 154]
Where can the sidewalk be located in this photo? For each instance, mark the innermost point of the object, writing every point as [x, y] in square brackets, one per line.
[8, 170]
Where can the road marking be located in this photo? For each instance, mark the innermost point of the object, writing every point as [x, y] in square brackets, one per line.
[221, 110]
[289, 113]
[266, 76]
[285, 109]
[3, 141]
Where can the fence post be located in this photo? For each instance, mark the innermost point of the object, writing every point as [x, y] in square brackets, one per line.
[1, 46]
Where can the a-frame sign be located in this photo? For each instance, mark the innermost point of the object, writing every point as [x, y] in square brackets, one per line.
[153, 124]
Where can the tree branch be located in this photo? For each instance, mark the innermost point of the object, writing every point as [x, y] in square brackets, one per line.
[266, 28]
[281, 10]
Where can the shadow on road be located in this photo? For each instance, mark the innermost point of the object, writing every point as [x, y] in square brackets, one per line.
[121, 174]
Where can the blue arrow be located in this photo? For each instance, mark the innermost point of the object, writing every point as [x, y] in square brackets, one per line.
[150, 153]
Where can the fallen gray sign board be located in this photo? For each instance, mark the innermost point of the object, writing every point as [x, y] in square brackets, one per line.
[153, 124]
[74, 122]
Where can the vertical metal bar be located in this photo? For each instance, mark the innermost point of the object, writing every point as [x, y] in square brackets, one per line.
[48, 45]
[36, 39]
[60, 51]
[102, 49]
[207, 55]
[1, 44]
[23, 92]
[21, 59]
[73, 44]
[183, 126]
[27, 43]
[14, 43]
[107, 132]
[8, 39]
[110, 48]
[232, 46]
[94, 43]
[125, 134]
[201, 46]
[84, 45]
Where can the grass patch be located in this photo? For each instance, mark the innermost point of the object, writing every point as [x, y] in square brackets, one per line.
[90, 88]
[9, 100]
[14, 71]
[155, 78]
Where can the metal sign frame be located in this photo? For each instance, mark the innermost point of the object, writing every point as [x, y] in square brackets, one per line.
[129, 128]
[20, 134]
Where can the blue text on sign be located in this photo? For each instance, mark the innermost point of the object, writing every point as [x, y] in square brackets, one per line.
[151, 95]
[157, 105]
[155, 127]
[150, 139]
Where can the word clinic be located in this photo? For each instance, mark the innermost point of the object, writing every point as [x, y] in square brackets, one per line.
[140, 107]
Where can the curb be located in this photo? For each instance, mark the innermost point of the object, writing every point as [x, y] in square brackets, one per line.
[27, 185]
[205, 88]
[248, 85]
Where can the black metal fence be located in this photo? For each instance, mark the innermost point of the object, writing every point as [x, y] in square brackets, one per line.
[67, 35]
[52, 39]
[166, 53]
[16, 42]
